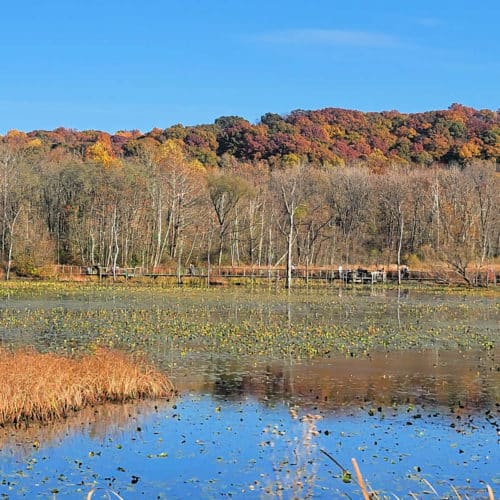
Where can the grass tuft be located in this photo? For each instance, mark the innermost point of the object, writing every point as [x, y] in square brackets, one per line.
[43, 387]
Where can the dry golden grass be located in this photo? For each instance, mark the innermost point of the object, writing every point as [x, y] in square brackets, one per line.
[42, 387]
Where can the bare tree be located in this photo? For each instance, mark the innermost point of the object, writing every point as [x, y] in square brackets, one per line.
[394, 199]
[313, 217]
[350, 199]
[288, 185]
[486, 184]
[15, 190]
[460, 222]
[225, 192]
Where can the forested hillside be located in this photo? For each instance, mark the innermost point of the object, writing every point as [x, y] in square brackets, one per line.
[327, 187]
[324, 137]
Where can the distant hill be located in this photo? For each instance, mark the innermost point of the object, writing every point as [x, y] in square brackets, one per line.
[326, 136]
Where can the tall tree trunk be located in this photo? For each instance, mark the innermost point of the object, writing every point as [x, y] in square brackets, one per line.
[288, 283]
[11, 245]
[400, 245]
[179, 265]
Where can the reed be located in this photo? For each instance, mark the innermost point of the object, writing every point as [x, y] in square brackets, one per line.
[369, 494]
[43, 387]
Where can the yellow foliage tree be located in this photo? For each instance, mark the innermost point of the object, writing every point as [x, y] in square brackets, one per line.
[291, 159]
[377, 161]
[172, 149]
[16, 134]
[469, 150]
[35, 143]
[100, 154]
[197, 166]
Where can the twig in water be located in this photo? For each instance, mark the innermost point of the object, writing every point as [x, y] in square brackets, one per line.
[335, 461]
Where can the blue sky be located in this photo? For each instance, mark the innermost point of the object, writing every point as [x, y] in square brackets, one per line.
[120, 64]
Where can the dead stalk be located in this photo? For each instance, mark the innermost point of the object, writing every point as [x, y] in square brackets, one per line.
[360, 479]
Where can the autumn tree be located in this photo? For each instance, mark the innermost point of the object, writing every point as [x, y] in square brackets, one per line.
[15, 184]
[394, 192]
[486, 192]
[225, 192]
[173, 186]
[460, 222]
[350, 200]
[287, 184]
[313, 217]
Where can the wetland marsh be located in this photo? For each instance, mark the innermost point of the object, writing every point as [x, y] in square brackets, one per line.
[406, 381]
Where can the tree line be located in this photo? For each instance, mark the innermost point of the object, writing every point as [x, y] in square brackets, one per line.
[325, 137]
[166, 198]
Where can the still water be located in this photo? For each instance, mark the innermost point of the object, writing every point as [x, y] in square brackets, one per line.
[258, 426]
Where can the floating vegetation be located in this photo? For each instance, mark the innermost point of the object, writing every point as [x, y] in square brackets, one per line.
[74, 317]
[42, 387]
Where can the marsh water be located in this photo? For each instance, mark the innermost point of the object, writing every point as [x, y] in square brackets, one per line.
[270, 384]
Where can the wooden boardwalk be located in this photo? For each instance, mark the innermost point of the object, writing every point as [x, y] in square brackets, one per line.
[225, 274]
[231, 272]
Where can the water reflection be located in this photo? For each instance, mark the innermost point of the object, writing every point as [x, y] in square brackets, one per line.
[466, 380]
[98, 422]
[205, 447]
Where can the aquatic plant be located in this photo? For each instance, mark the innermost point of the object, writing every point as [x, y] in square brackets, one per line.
[39, 387]
[73, 317]
[295, 472]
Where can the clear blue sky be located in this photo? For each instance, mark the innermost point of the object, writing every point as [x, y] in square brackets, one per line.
[122, 64]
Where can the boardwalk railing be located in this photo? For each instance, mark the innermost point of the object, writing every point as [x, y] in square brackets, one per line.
[221, 273]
